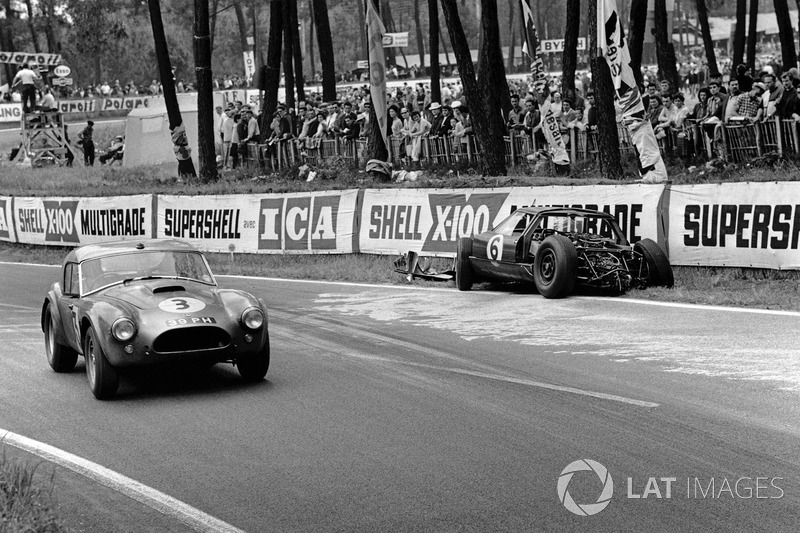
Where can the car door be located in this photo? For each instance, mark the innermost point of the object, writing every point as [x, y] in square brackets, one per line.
[66, 305]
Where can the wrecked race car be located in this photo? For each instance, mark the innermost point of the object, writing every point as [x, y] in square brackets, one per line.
[556, 248]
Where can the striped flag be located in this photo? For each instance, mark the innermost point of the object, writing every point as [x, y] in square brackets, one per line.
[550, 126]
[377, 67]
[628, 100]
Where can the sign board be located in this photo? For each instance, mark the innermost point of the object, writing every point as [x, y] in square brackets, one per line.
[392, 40]
[552, 46]
[250, 41]
[62, 71]
[362, 64]
[47, 60]
[62, 82]
[249, 64]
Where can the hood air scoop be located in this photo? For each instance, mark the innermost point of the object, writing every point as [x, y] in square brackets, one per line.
[168, 288]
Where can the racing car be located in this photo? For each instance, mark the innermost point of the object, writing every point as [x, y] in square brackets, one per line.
[155, 302]
[556, 248]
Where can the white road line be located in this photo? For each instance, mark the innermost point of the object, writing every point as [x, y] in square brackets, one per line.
[509, 379]
[167, 505]
[699, 307]
[19, 307]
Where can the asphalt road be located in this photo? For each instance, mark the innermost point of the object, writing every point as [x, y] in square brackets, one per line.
[11, 137]
[393, 409]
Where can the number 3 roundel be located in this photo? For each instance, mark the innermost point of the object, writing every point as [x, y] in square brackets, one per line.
[181, 305]
[494, 248]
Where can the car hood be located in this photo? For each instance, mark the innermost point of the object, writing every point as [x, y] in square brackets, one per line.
[150, 294]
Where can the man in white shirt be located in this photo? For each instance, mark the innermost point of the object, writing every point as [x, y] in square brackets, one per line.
[226, 132]
[27, 79]
[48, 101]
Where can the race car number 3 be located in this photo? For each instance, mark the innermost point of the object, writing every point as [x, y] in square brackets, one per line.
[181, 305]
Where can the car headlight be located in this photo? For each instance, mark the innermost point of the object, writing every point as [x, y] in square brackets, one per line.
[123, 329]
[253, 318]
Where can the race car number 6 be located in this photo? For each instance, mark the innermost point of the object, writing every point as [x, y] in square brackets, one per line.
[494, 248]
[181, 305]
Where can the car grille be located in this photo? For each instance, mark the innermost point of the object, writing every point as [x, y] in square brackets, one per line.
[192, 339]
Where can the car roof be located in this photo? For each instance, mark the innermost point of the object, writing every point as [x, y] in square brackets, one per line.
[577, 211]
[94, 251]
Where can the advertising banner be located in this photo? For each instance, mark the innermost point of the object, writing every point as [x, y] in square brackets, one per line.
[273, 223]
[48, 60]
[11, 112]
[391, 40]
[77, 221]
[552, 46]
[6, 220]
[395, 221]
[735, 224]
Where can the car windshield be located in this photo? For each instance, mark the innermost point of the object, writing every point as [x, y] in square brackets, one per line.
[516, 223]
[113, 269]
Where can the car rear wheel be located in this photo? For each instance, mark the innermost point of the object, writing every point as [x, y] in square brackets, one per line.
[103, 378]
[253, 367]
[61, 358]
[659, 271]
[464, 276]
[555, 267]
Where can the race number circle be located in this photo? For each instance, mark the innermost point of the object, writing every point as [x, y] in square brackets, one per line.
[181, 305]
[494, 248]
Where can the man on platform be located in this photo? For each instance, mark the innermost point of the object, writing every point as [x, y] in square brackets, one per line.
[26, 78]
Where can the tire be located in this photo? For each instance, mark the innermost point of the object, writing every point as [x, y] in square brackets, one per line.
[555, 267]
[61, 358]
[103, 378]
[659, 271]
[464, 276]
[253, 367]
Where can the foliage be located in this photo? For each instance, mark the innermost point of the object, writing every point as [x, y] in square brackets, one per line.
[24, 504]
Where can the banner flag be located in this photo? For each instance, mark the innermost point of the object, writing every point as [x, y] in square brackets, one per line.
[627, 98]
[377, 67]
[550, 127]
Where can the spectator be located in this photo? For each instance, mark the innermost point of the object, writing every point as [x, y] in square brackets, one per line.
[772, 95]
[87, 142]
[419, 127]
[47, 102]
[654, 111]
[744, 78]
[700, 110]
[227, 131]
[436, 119]
[788, 107]
[749, 104]
[591, 110]
[351, 129]
[516, 115]
[115, 150]
[732, 102]
[26, 79]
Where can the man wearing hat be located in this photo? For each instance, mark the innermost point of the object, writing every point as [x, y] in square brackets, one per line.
[87, 141]
[437, 119]
[749, 107]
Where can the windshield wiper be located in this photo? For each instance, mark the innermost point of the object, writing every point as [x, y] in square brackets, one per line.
[140, 278]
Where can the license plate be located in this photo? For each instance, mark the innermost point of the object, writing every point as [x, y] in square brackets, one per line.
[191, 321]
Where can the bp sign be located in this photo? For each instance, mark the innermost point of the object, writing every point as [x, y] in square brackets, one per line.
[62, 71]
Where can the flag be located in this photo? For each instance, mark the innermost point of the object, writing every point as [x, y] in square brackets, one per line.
[550, 127]
[627, 99]
[377, 67]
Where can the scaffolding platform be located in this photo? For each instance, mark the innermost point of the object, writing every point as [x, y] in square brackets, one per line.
[44, 140]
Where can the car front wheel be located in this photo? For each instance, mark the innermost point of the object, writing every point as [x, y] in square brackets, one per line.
[463, 266]
[555, 267]
[103, 378]
[253, 367]
[61, 358]
[659, 271]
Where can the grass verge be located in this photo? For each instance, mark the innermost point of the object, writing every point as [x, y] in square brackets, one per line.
[734, 287]
[26, 503]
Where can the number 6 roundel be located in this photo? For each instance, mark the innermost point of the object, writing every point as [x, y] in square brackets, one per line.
[181, 305]
[494, 248]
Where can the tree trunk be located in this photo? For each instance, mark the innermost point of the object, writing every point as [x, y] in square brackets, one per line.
[786, 35]
[206, 152]
[376, 146]
[739, 35]
[708, 43]
[325, 42]
[752, 36]
[272, 78]
[182, 152]
[570, 56]
[256, 35]
[636, 29]
[311, 40]
[214, 7]
[299, 81]
[5, 44]
[50, 22]
[242, 23]
[385, 8]
[493, 161]
[495, 87]
[420, 37]
[433, 45]
[607, 134]
[288, 56]
[362, 23]
[512, 30]
[665, 51]
[31, 26]
[444, 46]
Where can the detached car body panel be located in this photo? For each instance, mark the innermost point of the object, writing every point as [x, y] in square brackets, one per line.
[148, 303]
[556, 248]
